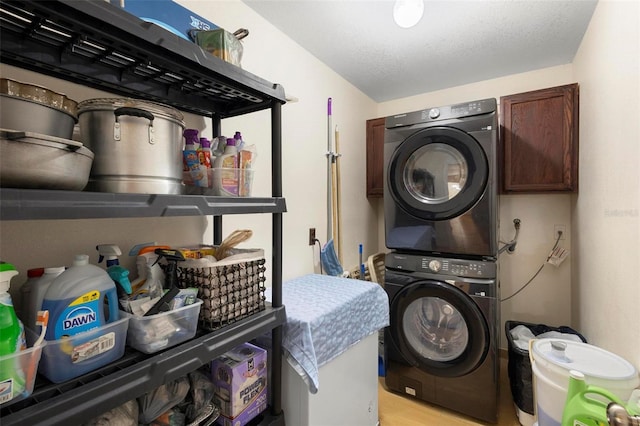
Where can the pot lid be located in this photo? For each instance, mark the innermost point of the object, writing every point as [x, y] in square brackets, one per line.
[40, 95]
[46, 140]
[590, 360]
[111, 104]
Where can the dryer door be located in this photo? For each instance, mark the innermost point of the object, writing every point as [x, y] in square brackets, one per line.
[438, 328]
[438, 173]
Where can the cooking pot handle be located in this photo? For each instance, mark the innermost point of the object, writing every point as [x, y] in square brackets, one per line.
[134, 112]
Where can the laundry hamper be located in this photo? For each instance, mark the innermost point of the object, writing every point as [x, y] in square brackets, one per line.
[230, 289]
[519, 365]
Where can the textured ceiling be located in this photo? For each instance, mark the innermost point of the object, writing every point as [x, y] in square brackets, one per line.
[456, 42]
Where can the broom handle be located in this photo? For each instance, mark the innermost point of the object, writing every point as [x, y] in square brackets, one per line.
[329, 175]
[338, 208]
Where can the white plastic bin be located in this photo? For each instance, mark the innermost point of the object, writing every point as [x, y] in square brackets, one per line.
[156, 332]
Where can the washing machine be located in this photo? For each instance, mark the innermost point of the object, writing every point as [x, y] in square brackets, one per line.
[442, 342]
[440, 189]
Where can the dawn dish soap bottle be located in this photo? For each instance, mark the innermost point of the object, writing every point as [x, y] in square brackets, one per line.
[12, 381]
[75, 300]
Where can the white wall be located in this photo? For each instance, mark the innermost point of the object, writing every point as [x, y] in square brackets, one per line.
[606, 213]
[547, 299]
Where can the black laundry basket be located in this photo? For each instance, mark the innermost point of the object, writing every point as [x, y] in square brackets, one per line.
[519, 365]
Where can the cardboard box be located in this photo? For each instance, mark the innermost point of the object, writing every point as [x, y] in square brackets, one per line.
[240, 384]
[167, 14]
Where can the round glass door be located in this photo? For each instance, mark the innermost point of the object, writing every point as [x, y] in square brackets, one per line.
[438, 173]
[439, 329]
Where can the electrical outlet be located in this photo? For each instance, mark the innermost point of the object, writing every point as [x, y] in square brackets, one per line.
[312, 236]
[557, 229]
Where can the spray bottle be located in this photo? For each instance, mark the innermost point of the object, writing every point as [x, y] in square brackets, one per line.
[171, 280]
[118, 274]
[12, 381]
[150, 275]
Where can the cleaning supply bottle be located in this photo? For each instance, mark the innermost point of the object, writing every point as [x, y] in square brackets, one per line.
[204, 153]
[190, 141]
[581, 408]
[118, 274]
[12, 381]
[36, 295]
[33, 275]
[150, 275]
[75, 300]
[226, 178]
[239, 141]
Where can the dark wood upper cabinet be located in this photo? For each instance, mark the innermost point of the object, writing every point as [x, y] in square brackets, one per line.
[539, 132]
[375, 157]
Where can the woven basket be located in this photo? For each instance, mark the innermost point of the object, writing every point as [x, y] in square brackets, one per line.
[231, 289]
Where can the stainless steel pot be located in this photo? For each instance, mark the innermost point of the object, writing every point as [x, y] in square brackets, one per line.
[26, 107]
[34, 161]
[137, 145]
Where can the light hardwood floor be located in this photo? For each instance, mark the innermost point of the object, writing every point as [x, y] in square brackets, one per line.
[397, 410]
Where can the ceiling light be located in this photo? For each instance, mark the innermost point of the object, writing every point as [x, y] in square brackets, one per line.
[408, 13]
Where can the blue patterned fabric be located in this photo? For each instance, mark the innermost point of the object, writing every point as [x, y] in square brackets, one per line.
[326, 316]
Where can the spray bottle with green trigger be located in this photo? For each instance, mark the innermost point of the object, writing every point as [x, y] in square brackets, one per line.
[118, 274]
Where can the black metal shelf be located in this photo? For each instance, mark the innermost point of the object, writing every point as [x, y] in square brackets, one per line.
[82, 398]
[96, 44]
[34, 204]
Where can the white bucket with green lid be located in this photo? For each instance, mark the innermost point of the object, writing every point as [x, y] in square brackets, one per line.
[552, 359]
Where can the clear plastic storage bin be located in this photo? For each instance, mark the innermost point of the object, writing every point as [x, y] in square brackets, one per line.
[26, 364]
[156, 332]
[81, 353]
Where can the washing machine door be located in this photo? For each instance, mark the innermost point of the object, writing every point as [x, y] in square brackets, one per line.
[438, 328]
[438, 173]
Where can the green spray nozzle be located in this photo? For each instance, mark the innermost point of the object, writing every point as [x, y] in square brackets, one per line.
[109, 252]
[121, 276]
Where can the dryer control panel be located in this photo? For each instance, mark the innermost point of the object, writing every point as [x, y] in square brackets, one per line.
[442, 265]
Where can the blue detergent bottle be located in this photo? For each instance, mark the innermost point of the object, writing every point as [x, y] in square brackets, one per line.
[76, 300]
[12, 381]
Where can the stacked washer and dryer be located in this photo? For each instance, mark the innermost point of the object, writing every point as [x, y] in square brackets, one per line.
[441, 276]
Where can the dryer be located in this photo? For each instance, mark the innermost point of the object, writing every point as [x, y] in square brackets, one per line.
[440, 189]
[442, 342]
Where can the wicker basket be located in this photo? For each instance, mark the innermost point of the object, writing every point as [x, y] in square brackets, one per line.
[231, 289]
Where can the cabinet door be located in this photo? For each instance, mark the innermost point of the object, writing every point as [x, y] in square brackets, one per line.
[375, 157]
[539, 132]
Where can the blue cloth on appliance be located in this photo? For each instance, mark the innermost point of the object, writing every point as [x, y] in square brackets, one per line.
[325, 317]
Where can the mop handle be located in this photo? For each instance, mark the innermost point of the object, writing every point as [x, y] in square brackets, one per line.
[329, 180]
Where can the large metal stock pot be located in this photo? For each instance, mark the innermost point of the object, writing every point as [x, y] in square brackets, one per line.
[137, 145]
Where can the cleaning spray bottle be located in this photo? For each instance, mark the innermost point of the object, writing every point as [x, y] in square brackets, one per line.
[150, 278]
[118, 274]
[171, 280]
[12, 381]
[75, 300]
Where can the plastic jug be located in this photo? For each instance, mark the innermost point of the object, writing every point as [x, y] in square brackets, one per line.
[226, 176]
[584, 404]
[36, 293]
[75, 300]
[12, 380]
